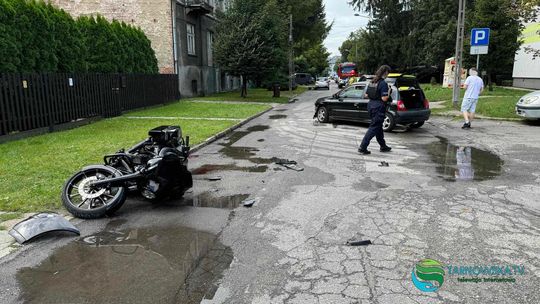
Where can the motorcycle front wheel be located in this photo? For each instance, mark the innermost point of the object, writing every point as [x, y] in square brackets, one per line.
[84, 201]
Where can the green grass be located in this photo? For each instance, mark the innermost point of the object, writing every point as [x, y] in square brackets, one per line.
[33, 170]
[254, 95]
[499, 103]
[9, 216]
[200, 109]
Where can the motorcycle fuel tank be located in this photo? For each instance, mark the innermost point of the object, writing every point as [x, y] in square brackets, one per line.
[39, 224]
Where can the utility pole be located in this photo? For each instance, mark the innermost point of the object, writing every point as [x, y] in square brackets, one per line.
[459, 51]
[291, 63]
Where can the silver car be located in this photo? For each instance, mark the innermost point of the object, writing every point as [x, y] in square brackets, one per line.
[322, 83]
[528, 106]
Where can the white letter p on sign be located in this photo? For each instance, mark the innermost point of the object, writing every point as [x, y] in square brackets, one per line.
[479, 36]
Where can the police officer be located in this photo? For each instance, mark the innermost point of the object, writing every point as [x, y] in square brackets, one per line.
[377, 93]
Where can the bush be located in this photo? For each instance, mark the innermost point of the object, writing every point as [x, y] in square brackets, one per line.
[37, 37]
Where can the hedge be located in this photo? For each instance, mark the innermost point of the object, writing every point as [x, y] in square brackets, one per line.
[37, 37]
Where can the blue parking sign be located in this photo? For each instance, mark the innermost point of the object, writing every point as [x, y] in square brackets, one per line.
[480, 37]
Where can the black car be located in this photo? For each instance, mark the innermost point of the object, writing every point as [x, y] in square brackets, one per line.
[407, 106]
[304, 79]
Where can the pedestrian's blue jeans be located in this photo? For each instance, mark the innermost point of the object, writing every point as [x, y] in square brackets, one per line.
[377, 113]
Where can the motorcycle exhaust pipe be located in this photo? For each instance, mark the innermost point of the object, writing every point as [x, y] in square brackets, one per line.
[116, 181]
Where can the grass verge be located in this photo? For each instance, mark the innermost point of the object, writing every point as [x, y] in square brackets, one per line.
[499, 103]
[33, 170]
[254, 95]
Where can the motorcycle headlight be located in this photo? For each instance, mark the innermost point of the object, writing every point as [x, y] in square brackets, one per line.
[531, 100]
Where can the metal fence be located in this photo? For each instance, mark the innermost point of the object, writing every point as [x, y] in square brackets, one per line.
[34, 101]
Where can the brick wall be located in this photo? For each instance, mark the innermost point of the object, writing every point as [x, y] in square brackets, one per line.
[152, 16]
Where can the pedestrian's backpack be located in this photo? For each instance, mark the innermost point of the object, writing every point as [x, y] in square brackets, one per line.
[372, 91]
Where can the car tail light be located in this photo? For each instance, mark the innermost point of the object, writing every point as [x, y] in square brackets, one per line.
[426, 103]
[401, 106]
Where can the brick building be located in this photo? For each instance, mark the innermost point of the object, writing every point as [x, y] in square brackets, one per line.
[181, 32]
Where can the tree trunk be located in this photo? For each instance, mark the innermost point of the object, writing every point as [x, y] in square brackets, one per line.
[490, 84]
[243, 92]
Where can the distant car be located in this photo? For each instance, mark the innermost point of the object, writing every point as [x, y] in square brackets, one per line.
[528, 106]
[408, 105]
[322, 83]
[343, 82]
[303, 78]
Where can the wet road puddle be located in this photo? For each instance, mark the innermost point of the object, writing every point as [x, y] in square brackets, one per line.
[245, 153]
[144, 265]
[278, 116]
[208, 200]
[209, 168]
[464, 163]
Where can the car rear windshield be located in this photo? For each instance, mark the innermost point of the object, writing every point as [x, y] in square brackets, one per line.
[406, 82]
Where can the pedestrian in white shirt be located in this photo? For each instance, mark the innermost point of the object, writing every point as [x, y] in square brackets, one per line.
[474, 86]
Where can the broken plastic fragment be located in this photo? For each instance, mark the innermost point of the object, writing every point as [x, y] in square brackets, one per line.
[214, 178]
[39, 224]
[249, 202]
[359, 243]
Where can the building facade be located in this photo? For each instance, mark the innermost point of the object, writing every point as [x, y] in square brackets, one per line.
[526, 72]
[181, 32]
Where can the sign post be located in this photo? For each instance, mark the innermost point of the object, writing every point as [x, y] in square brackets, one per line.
[479, 43]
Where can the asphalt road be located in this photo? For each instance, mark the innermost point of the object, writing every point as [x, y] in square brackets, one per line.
[465, 198]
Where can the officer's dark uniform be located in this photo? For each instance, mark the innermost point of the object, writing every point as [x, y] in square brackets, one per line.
[377, 113]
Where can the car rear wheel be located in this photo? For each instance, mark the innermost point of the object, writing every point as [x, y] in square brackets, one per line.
[389, 123]
[322, 114]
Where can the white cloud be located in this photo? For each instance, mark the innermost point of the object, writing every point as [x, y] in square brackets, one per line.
[342, 14]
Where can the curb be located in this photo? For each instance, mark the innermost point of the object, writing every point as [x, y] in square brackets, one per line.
[228, 131]
[478, 117]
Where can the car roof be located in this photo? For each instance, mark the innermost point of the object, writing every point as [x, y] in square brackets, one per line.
[397, 75]
[360, 82]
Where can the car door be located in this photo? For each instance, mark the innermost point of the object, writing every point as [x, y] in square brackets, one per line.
[343, 107]
[360, 103]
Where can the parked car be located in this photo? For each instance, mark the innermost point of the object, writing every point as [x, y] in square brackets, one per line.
[408, 105]
[322, 83]
[343, 83]
[528, 106]
[303, 78]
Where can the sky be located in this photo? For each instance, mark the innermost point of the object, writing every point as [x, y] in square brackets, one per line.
[345, 22]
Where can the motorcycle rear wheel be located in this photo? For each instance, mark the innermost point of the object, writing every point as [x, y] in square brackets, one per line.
[90, 203]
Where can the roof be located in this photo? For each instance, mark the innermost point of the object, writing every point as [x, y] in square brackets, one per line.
[396, 75]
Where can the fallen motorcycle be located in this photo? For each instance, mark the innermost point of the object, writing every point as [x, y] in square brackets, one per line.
[155, 167]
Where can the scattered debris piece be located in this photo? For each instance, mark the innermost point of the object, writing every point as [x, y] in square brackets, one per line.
[282, 161]
[289, 164]
[249, 203]
[214, 178]
[384, 164]
[359, 243]
[39, 224]
[294, 167]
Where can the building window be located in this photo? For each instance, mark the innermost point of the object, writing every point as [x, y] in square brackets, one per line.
[191, 39]
[210, 48]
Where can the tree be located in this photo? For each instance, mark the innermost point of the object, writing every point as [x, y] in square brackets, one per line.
[251, 40]
[310, 29]
[10, 41]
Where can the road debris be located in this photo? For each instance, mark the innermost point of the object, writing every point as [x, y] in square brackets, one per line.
[40, 224]
[359, 243]
[214, 178]
[249, 203]
[384, 164]
[289, 164]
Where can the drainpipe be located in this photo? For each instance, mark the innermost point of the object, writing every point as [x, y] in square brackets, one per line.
[173, 21]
